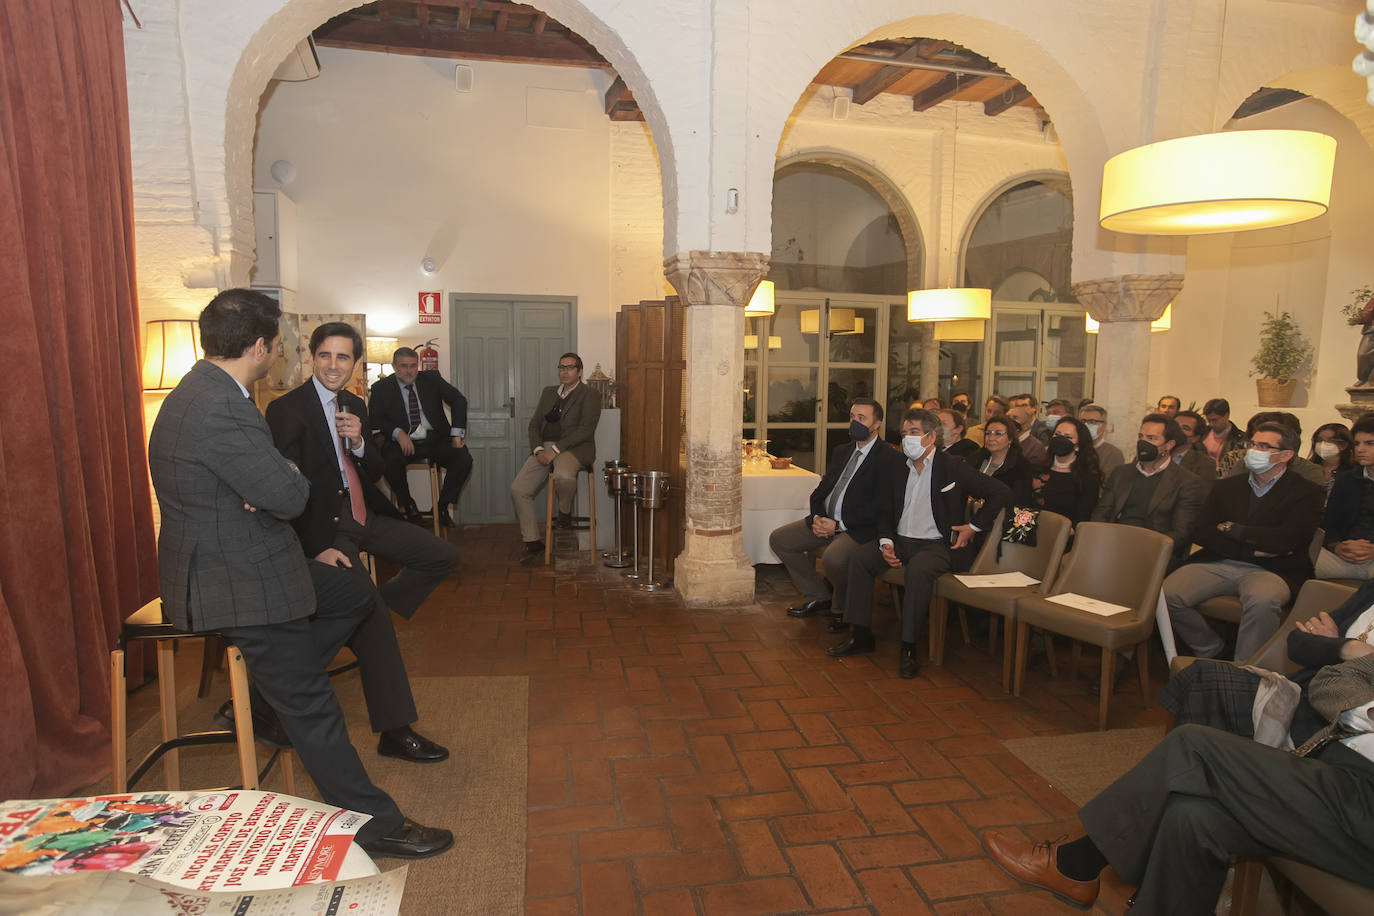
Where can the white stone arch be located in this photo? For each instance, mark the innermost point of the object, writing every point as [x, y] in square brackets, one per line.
[1051, 177]
[225, 184]
[1035, 50]
[883, 186]
[1338, 87]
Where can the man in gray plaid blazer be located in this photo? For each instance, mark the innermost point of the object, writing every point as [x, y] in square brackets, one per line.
[229, 561]
[1171, 824]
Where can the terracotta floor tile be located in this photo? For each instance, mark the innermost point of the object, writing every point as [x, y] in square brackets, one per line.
[890, 892]
[995, 812]
[754, 846]
[888, 851]
[881, 809]
[695, 824]
[712, 754]
[801, 829]
[824, 877]
[670, 903]
[821, 791]
[752, 898]
[764, 771]
[641, 801]
[549, 868]
[770, 804]
[620, 844]
[571, 819]
[689, 869]
[552, 906]
[961, 879]
[929, 791]
[607, 889]
[817, 756]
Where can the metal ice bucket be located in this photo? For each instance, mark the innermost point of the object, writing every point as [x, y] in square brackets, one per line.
[654, 489]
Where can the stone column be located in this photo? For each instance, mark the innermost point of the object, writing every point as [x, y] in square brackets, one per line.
[715, 286]
[1125, 305]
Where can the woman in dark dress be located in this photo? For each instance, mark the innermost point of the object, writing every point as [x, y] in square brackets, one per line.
[1070, 484]
[1001, 458]
[1222, 695]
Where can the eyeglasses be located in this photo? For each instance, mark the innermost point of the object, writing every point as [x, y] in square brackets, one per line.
[567, 368]
[994, 433]
[1264, 446]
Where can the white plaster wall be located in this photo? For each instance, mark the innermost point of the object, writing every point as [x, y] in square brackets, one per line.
[393, 165]
[636, 217]
[1309, 269]
[826, 214]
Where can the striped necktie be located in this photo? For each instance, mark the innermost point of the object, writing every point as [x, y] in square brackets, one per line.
[412, 408]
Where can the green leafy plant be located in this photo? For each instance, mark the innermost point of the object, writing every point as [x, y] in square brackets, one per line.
[1283, 351]
[1353, 311]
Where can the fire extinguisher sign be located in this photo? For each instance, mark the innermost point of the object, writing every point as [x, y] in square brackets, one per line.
[429, 308]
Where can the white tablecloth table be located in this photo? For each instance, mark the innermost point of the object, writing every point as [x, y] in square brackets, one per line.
[770, 500]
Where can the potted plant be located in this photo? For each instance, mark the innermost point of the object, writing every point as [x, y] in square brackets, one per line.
[1283, 352]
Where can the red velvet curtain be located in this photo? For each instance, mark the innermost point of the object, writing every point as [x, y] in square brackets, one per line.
[76, 530]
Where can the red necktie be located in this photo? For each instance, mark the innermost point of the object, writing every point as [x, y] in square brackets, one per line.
[351, 479]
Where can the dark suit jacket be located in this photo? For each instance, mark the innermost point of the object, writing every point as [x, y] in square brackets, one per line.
[303, 433]
[962, 449]
[581, 410]
[859, 510]
[1015, 473]
[220, 565]
[387, 403]
[1172, 509]
[952, 483]
[1284, 523]
[1343, 507]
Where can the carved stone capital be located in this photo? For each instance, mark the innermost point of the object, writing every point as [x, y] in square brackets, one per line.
[1131, 297]
[716, 277]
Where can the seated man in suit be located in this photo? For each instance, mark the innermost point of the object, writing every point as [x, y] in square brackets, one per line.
[952, 439]
[1109, 457]
[920, 528]
[844, 509]
[562, 443]
[408, 407]
[1349, 519]
[228, 560]
[1255, 532]
[322, 426]
[1154, 492]
[1031, 447]
[1171, 824]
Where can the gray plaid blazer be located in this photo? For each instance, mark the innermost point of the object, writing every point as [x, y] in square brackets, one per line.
[220, 565]
[1332, 691]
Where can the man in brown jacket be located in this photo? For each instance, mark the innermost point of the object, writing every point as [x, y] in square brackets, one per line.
[562, 442]
[1153, 492]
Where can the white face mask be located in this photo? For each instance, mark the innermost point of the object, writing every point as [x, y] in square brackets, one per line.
[1095, 428]
[912, 447]
[1327, 450]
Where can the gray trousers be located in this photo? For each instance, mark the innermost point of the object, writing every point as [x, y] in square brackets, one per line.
[923, 562]
[1172, 823]
[1330, 566]
[797, 547]
[531, 479]
[1262, 596]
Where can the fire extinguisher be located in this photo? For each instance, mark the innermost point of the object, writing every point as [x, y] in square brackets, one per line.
[429, 357]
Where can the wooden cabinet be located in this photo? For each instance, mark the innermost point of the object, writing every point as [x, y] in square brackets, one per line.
[652, 361]
[274, 225]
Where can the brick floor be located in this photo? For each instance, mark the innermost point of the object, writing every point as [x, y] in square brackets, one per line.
[715, 761]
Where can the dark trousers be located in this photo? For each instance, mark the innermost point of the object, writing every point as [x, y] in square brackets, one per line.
[922, 563]
[288, 663]
[456, 463]
[1171, 824]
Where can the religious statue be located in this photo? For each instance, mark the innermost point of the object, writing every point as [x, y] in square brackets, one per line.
[1361, 312]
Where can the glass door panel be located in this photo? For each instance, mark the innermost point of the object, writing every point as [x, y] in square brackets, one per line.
[793, 394]
[1016, 339]
[845, 385]
[797, 444]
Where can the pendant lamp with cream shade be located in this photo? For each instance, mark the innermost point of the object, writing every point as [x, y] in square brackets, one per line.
[1225, 181]
[952, 303]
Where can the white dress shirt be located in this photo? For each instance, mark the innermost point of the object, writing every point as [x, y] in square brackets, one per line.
[326, 396]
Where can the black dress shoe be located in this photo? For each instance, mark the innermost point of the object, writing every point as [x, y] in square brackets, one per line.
[563, 520]
[810, 608]
[445, 519]
[412, 512]
[267, 728]
[406, 743]
[533, 547]
[854, 645]
[836, 624]
[410, 841]
[907, 666]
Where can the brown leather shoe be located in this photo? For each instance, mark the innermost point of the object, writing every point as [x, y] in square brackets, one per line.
[1034, 864]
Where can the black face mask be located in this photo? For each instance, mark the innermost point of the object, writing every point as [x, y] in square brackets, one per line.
[1147, 452]
[961, 406]
[1061, 446]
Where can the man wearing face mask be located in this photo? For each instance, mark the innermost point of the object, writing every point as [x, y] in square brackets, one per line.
[1109, 457]
[1055, 411]
[1031, 447]
[919, 529]
[952, 439]
[1193, 456]
[843, 515]
[995, 406]
[1255, 532]
[1154, 492]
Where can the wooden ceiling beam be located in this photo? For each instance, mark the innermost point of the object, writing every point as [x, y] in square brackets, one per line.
[502, 20]
[884, 77]
[422, 15]
[940, 90]
[465, 18]
[540, 21]
[1010, 98]
[559, 50]
[615, 93]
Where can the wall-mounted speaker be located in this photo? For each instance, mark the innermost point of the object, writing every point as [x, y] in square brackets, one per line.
[462, 78]
[839, 109]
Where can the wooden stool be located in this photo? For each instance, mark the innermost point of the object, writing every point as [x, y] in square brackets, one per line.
[147, 623]
[589, 518]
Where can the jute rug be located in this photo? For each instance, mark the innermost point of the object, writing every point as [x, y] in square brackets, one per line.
[1082, 765]
[478, 793]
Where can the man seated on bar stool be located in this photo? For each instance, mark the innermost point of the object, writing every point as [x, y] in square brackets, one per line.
[844, 511]
[408, 407]
[346, 514]
[920, 529]
[562, 443]
[228, 560]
